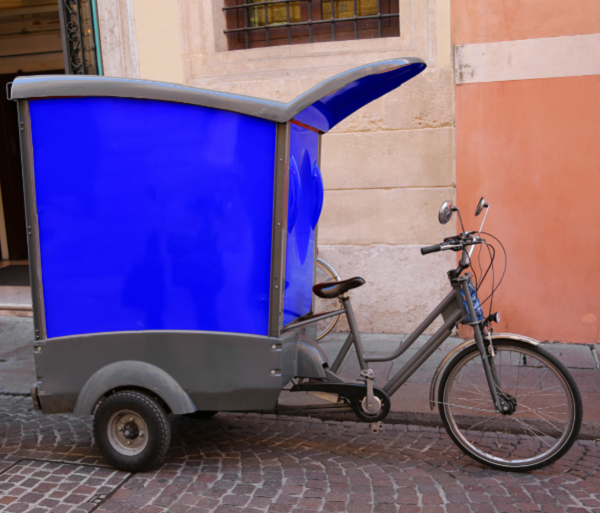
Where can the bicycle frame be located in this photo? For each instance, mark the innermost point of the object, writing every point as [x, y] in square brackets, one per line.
[452, 308]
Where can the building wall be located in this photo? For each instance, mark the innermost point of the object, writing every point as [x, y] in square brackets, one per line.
[386, 169]
[527, 132]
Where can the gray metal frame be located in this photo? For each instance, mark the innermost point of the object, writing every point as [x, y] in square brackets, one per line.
[77, 85]
[33, 242]
[451, 308]
[280, 209]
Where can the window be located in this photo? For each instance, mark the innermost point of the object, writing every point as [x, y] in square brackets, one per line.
[258, 23]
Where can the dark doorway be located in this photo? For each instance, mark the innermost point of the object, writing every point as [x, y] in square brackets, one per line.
[11, 180]
[15, 276]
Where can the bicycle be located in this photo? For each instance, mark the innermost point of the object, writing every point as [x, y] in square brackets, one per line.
[503, 400]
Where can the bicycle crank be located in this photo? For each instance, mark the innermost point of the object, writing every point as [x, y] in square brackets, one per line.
[375, 410]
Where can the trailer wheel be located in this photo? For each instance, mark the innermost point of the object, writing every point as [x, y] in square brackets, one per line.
[132, 431]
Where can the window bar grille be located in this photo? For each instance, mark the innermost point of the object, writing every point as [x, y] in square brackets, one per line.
[267, 23]
[310, 23]
[314, 22]
[332, 20]
[310, 34]
[246, 32]
[355, 21]
[287, 19]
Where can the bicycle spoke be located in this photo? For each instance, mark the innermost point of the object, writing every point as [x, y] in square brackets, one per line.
[539, 414]
[532, 430]
[540, 391]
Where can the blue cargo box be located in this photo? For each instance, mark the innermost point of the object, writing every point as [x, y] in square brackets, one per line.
[171, 212]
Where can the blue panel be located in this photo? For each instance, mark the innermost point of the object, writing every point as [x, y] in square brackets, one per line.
[153, 215]
[306, 200]
[327, 112]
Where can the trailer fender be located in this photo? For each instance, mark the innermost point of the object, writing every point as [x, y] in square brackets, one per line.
[135, 374]
[456, 350]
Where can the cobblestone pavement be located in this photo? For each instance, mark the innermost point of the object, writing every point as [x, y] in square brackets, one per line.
[255, 463]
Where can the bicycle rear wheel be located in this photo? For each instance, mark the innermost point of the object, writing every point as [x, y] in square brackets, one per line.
[546, 410]
[325, 273]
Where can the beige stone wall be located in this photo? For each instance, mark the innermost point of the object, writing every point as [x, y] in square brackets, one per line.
[117, 38]
[386, 169]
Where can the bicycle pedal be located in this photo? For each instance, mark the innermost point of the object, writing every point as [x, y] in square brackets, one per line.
[376, 427]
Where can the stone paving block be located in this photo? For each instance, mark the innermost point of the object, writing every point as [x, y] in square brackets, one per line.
[40, 493]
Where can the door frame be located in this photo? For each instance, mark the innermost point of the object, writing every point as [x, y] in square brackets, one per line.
[4, 254]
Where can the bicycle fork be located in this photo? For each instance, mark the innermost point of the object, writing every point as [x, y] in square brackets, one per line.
[487, 357]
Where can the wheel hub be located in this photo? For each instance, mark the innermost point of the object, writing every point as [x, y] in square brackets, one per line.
[131, 431]
[127, 432]
[509, 404]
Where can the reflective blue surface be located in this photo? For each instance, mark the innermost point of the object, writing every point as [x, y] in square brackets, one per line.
[152, 215]
[318, 196]
[476, 303]
[327, 112]
[295, 190]
[300, 249]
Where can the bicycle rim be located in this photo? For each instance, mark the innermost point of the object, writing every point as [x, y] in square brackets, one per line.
[324, 273]
[544, 419]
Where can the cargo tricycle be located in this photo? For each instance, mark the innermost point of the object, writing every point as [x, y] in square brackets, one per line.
[172, 247]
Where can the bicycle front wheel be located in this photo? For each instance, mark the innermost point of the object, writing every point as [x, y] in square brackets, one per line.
[545, 414]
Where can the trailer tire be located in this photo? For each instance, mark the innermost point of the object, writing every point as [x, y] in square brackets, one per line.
[132, 431]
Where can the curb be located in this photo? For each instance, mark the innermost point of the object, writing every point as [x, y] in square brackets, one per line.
[433, 420]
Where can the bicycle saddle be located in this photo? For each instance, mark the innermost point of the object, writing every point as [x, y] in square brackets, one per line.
[331, 289]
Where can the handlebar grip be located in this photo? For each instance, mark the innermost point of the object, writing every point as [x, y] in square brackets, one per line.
[431, 249]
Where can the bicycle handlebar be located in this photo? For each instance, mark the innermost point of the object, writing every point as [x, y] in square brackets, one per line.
[455, 244]
[431, 249]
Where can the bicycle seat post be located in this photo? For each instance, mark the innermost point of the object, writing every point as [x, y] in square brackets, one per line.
[360, 353]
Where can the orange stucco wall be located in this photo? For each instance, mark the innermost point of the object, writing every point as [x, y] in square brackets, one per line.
[486, 21]
[532, 148]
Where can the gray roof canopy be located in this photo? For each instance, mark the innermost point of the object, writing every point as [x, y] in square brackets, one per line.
[334, 98]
